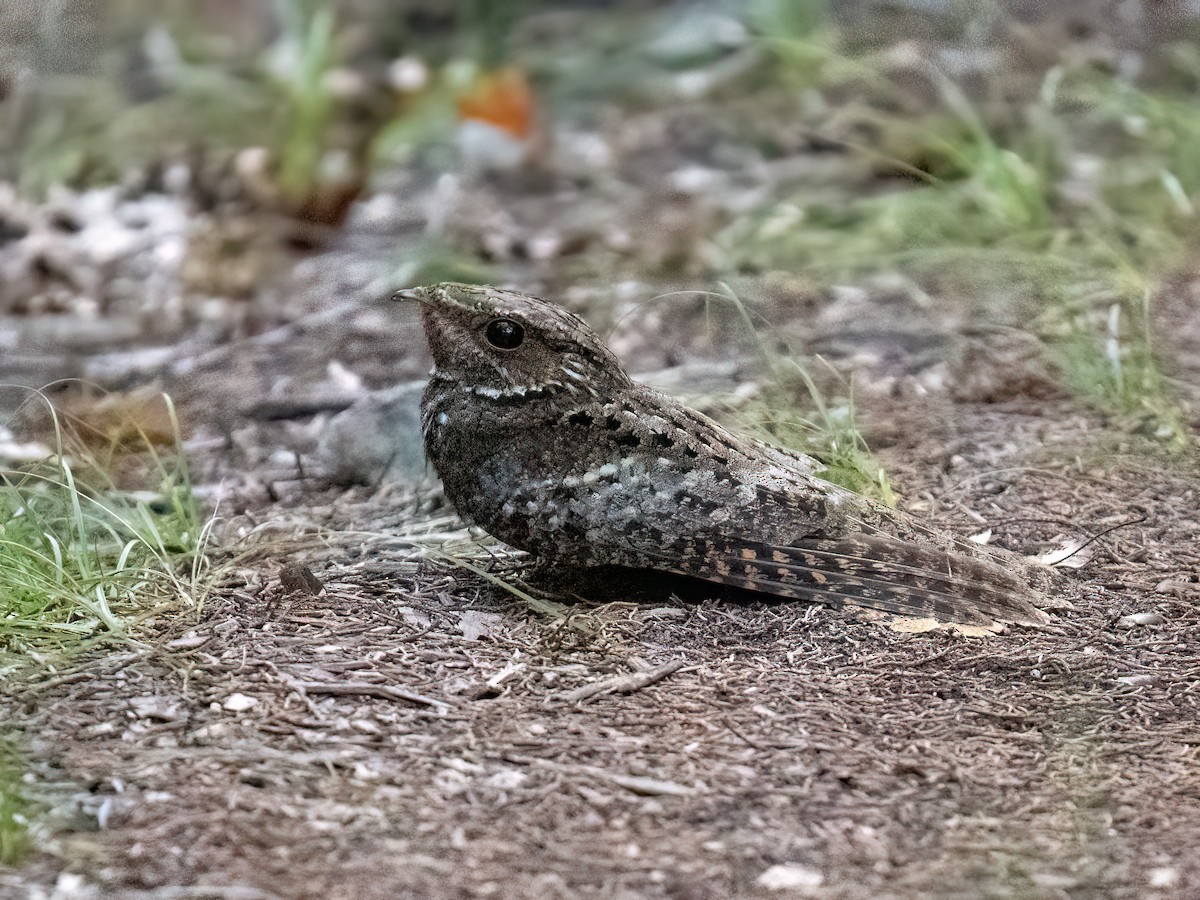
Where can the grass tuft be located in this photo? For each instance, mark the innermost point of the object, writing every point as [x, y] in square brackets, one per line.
[84, 557]
[308, 106]
[829, 432]
[15, 808]
[793, 411]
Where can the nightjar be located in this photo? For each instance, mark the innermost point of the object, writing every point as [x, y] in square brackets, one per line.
[543, 440]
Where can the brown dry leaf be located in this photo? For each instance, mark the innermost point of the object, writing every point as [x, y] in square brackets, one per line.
[140, 418]
[914, 626]
[921, 626]
[976, 630]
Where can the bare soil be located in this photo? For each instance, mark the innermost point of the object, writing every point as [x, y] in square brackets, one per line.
[416, 731]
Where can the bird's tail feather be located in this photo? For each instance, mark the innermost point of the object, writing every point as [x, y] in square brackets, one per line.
[877, 571]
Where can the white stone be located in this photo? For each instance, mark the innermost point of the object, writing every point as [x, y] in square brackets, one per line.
[239, 702]
[791, 877]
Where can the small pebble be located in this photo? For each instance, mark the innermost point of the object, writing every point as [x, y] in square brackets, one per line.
[1147, 618]
[238, 702]
[790, 877]
[1136, 680]
[1172, 586]
[1164, 877]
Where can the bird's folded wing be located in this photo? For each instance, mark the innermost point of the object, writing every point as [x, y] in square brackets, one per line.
[877, 571]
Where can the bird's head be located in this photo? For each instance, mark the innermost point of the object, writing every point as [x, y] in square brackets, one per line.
[504, 345]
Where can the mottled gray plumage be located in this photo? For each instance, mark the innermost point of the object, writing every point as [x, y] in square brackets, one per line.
[542, 439]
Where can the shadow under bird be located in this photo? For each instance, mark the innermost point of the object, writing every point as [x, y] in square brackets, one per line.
[542, 439]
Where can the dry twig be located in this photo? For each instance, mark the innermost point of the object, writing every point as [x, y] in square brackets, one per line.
[624, 684]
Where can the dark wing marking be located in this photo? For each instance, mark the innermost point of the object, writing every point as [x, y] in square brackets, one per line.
[874, 571]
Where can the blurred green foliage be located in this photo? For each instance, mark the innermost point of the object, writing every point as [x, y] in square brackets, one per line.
[798, 33]
[1062, 200]
[1066, 208]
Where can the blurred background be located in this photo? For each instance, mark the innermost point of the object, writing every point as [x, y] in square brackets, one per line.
[949, 247]
[809, 203]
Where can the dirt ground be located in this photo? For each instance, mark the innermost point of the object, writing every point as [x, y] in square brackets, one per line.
[414, 730]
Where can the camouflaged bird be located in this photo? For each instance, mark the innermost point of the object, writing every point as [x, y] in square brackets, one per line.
[543, 440]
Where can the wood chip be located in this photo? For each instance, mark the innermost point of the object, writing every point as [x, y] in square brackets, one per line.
[650, 787]
[360, 689]
[624, 684]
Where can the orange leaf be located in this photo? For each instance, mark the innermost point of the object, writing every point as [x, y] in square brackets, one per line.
[504, 99]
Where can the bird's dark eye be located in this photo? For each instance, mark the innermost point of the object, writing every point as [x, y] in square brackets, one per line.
[505, 334]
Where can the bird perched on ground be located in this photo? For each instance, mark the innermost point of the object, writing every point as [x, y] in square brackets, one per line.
[543, 440]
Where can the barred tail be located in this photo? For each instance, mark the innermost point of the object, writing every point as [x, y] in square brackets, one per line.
[876, 571]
